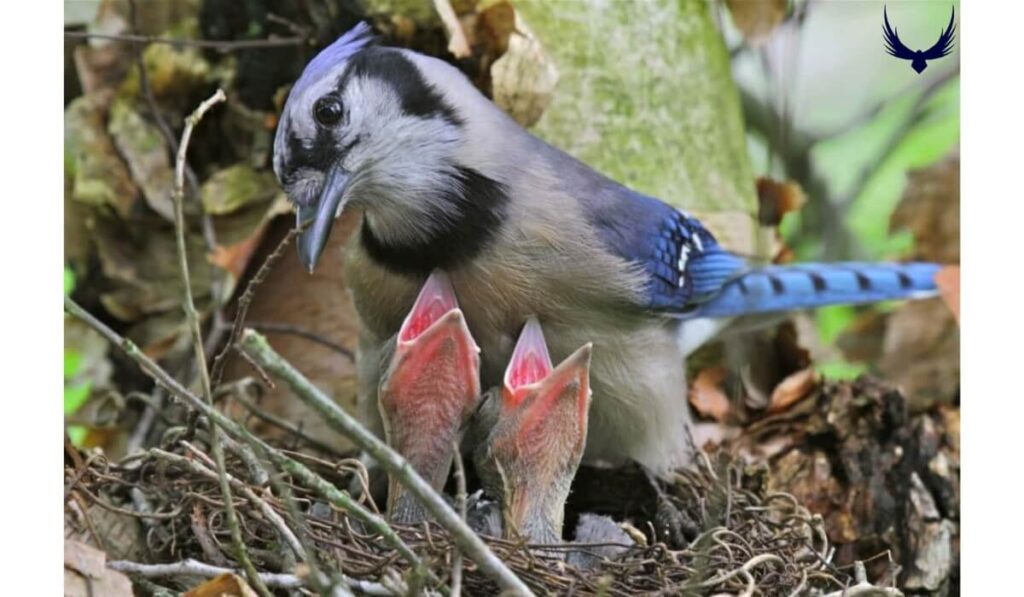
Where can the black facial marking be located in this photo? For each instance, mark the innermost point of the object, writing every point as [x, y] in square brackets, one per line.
[480, 208]
[863, 282]
[417, 97]
[777, 286]
[817, 281]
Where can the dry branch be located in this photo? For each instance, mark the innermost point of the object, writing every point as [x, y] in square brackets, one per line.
[303, 474]
[256, 346]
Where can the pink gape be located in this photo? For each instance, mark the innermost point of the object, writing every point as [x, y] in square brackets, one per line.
[429, 390]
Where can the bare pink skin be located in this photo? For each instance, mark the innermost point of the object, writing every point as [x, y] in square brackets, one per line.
[429, 390]
[537, 443]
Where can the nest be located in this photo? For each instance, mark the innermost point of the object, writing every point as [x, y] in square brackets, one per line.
[710, 529]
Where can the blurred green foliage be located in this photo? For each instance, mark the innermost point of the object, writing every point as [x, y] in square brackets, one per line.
[76, 393]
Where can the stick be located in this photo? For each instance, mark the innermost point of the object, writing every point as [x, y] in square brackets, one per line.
[203, 570]
[467, 541]
[192, 320]
[222, 46]
[304, 475]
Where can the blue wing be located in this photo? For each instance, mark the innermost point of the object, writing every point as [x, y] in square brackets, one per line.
[691, 275]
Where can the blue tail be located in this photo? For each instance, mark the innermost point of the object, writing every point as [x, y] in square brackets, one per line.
[808, 285]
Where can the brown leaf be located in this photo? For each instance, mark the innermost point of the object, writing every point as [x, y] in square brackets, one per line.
[523, 80]
[756, 19]
[777, 198]
[86, 573]
[707, 396]
[234, 258]
[225, 585]
[948, 281]
[930, 209]
[792, 389]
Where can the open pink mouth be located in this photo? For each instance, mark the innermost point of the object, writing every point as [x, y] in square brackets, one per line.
[530, 362]
[436, 299]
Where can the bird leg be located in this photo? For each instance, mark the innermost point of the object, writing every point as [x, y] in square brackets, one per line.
[537, 441]
[429, 390]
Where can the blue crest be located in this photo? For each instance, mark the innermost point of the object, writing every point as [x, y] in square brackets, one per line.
[342, 49]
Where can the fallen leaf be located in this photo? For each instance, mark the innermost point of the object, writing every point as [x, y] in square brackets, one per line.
[756, 19]
[99, 177]
[706, 394]
[777, 198]
[234, 258]
[86, 573]
[225, 585]
[143, 148]
[792, 389]
[523, 80]
[948, 281]
[235, 187]
[930, 210]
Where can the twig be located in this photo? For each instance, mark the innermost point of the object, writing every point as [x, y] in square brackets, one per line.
[196, 568]
[221, 46]
[294, 330]
[192, 319]
[460, 503]
[244, 301]
[302, 474]
[468, 541]
[254, 409]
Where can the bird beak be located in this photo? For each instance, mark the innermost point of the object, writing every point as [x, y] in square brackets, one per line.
[320, 217]
[429, 391]
[540, 435]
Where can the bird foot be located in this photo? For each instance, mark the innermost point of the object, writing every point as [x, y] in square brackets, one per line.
[429, 390]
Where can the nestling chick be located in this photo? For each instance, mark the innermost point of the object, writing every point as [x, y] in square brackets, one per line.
[442, 179]
[430, 388]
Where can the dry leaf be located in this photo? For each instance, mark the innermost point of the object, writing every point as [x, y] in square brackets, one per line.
[706, 394]
[756, 19]
[777, 198]
[235, 258]
[930, 209]
[948, 281]
[792, 389]
[523, 80]
[225, 585]
[86, 573]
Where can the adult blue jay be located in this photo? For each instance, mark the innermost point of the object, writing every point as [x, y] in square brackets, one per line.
[442, 178]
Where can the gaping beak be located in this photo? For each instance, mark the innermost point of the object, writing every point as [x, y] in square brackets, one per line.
[539, 438]
[429, 390]
[320, 216]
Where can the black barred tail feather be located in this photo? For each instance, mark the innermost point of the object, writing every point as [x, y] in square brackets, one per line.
[806, 286]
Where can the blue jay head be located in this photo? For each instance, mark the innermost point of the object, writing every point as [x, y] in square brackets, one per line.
[375, 129]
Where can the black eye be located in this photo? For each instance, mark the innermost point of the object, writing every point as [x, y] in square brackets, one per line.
[327, 111]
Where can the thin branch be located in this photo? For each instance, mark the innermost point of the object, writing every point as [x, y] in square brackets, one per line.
[467, 541]
[294, 330]
[460, 503]
[300, 472]
[221, 46]
[192, 320]
[271, 419]
[244, 301]
[203, 570]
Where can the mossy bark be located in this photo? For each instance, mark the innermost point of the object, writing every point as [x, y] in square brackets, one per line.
[646, 96]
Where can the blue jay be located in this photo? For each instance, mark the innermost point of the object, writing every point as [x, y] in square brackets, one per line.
[442, 179]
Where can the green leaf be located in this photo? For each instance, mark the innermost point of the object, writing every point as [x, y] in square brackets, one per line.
[841, 370]
[77, 433]
[72, 363]
[75, 396]
[69, 281]
[833, 320]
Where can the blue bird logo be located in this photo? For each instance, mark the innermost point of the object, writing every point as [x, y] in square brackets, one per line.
[918, 59]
